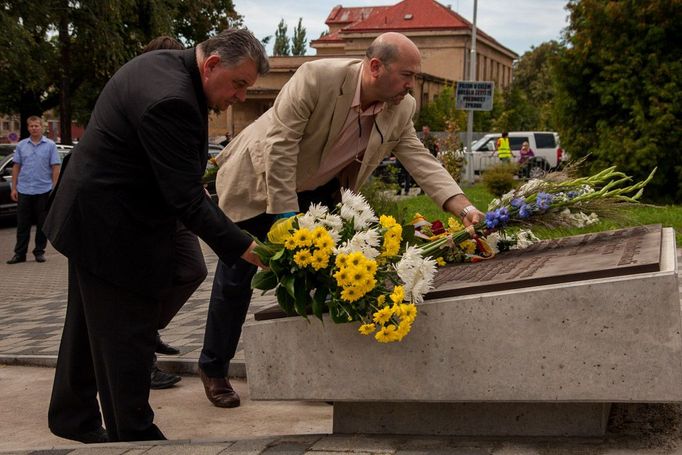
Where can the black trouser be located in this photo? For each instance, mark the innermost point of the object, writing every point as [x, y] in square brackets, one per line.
[31, 209]
[108, 345]
[231, 293]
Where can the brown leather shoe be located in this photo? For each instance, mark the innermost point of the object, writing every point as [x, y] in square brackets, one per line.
[219, 391]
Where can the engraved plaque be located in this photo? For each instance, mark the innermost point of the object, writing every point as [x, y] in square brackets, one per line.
[579, 257]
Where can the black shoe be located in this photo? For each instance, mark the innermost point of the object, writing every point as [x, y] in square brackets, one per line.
[163, 380]
[40, 258]
[163, 348]
[97, 436]
[17, 259]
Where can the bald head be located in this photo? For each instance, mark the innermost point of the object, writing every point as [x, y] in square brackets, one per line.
[391, 47]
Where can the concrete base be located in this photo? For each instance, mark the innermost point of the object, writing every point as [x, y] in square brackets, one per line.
[472, 419]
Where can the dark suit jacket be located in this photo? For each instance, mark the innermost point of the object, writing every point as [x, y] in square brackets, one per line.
[136, 171]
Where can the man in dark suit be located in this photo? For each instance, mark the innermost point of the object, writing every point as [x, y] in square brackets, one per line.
[134, 176]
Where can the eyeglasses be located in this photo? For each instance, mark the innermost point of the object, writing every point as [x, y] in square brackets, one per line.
[359, 158]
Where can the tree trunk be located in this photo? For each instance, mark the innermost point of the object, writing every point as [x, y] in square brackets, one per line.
[64, 69]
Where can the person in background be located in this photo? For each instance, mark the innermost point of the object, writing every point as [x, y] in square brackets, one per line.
[163, 379]
[225, 141]
[330, 127]
[525, 153]
[430, 141]
[34, 174]
[503, 149]
[131, 180]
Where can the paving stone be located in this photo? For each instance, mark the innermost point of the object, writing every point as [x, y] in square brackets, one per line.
[359, 443]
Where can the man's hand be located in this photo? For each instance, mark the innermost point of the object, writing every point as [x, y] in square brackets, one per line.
[460, 206]
[250, 256]
[14, 195]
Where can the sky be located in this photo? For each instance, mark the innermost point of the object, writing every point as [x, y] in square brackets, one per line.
[517, 24]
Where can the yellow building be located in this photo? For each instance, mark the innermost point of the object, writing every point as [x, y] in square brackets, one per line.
[442, 35]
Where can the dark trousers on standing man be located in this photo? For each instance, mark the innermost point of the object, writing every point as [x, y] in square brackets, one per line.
[108, 345]
[231, 293]
[31, 209]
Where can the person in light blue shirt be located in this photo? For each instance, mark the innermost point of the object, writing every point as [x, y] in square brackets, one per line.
[35, 173]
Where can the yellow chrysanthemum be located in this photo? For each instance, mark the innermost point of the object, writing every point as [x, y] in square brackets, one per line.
[319, 232]
[387, 221]
[403, 329]
[398, 294]
[303, 238]
[281, 230]
[367, 329]
[325, 243]
[351, 294]
[319, 260]
[440, 261]
[371, 266]
[386, 334]
[290, 243]
[356, 259]
[302, 258]
[468, 246]
[396, 310]
[341, 260]
[383, 315]
[409, 311]
[342, 277]
[454, 225]
[381, 299]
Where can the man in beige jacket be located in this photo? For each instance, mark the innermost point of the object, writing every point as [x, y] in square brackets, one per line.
[330, 127]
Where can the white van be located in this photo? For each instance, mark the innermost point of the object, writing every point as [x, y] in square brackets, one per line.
[545, 146]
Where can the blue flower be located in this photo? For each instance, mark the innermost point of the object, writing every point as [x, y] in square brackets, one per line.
[517, 202]
[525, 211]
[544, 201]
[572, 194]
[503, 215]
[491, 220]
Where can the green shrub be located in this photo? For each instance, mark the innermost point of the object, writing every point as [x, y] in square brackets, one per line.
[499, 179]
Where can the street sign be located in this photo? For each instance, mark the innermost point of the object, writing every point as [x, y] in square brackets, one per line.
[474, 95]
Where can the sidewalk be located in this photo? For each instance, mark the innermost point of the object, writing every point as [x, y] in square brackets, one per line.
[32, 313]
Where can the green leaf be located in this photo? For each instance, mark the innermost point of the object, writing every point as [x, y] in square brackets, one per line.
[285, 300]
[288, 282]
[302, 300]
[336, 313]
[319, 301]
[278, 255]
[264, 280]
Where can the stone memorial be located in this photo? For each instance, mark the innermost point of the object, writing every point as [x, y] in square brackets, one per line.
[534, 342]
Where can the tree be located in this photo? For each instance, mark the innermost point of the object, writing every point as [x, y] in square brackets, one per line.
[281, 46]
[527, 103]
[62, 53]
[299, 41]
[619, 89]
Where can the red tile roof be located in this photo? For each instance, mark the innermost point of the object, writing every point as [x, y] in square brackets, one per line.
[341, 15]
[413, 15]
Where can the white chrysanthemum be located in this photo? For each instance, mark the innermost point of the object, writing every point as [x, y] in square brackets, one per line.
[507, 197]
[366, 242]
[524, 239]
[307, 221]
[417, 274]
[578, 219]
[334, 225]
[492, 240]
[318, 211]
[530, 187]
[494, 204]
[354, 201]
[364, 220]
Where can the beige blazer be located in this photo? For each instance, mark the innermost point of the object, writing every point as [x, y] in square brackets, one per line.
[261, 167]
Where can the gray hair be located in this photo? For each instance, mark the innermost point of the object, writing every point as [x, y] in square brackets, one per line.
[386, 52]
[233, 46]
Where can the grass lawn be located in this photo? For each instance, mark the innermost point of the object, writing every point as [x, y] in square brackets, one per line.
[668, 216]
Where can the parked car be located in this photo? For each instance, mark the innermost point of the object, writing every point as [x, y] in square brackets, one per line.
[545, 146]
[8, 207]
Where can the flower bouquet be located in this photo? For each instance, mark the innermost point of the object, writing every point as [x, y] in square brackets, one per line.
[347, 262]
[555, 201]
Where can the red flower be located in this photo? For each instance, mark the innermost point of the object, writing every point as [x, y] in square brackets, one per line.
[437, 227]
